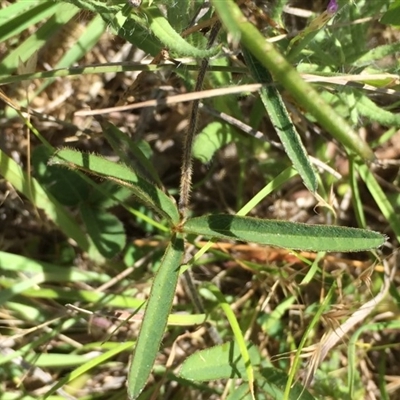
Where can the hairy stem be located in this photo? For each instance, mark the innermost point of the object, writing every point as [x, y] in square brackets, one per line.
[186, 169]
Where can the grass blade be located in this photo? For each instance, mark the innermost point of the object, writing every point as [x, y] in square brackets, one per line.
[36, 41]
[233, 322]
[380, 197]
[93, 363]
[19, 18]
[352, 357]
[51, 272]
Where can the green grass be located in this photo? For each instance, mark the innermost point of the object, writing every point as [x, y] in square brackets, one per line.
[193, 247]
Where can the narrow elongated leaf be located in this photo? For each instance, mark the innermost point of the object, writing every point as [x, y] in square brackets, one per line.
[19, 287]
[145, 191]
[392, 16]
[19, 19]
[87, 40]
[282, 123]
[300, 41]
[167, 35]
[51, 272]
[238, 334]
[284, 73]
[284, 234]
[367, 108]
[93, 363]
[123, 22]
[35, 41]
[155, 318]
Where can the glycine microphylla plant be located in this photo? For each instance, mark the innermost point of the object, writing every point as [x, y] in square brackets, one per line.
[195, 159]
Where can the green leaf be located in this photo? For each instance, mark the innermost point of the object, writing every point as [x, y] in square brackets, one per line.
[240, 393]
[105, 229]
[374, 55]
[392, 16]
[179, 17]
[373, 112]
[87, 40]
[51, 272]
[282, 123]
[214, 136]
[135, 30]
[19, 287]
[301, 40]
[129, 152]
[23, 15]
[124, 22]
[238, 334]
[284, 73]
[109, 194]
[219, 362]
[145, 191]
[270, 323]
[89, 365]
[284, 234]
[162, 29]
[96, 6]
[272, 382]
[57, 360]
[155, 318]
[37, 39]
[67, 186]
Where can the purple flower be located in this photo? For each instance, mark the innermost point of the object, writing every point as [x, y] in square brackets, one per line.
[135, 3]
[332, 7]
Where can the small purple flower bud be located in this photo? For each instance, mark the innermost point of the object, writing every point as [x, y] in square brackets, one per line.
[134, 3]
[332, 7]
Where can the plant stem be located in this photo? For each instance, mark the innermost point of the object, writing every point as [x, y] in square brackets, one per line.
[186, 169]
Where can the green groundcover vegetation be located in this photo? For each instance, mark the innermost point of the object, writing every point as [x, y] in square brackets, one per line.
[199, 199]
